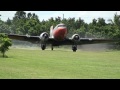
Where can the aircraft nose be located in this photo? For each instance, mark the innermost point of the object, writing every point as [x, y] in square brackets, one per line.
[60, 33]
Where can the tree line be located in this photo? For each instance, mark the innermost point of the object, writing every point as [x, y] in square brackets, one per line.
[29, 23]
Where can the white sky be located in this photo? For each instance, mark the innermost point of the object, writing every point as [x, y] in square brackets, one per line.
[87, 16]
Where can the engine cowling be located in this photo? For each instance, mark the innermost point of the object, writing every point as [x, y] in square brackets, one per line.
[44, 36]
[76, 38]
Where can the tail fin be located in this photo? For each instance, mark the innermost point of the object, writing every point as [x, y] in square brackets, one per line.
[51, 30]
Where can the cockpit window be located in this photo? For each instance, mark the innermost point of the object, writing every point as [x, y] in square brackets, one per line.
[61, 26]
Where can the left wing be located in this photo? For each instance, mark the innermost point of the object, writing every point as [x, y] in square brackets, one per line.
[87, 41]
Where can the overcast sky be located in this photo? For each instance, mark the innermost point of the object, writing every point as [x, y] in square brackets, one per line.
[87, 16]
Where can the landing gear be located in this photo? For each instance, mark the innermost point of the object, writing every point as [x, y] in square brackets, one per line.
[43, 46]
[51, 47]
[74, 48]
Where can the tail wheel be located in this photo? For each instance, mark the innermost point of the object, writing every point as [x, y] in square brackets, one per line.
[43, 46]
[51, 47]
[74, 48]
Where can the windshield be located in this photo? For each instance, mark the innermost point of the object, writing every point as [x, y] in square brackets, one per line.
[61, 25]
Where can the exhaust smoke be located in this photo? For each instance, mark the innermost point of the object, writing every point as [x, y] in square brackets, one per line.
[96, 47]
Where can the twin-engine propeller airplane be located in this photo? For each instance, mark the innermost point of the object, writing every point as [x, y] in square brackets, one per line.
[58, 36]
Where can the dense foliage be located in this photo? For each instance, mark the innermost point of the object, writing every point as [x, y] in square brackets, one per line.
[29, 23]
[5, 42]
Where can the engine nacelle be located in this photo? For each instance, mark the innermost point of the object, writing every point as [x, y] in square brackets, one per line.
[44, 36]
[76, 38]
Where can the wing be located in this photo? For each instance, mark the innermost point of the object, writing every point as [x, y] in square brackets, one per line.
[93, 41]
[67, 41]
[32, 39]
[87, 41]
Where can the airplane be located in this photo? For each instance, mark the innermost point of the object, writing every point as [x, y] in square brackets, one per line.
[57, 37]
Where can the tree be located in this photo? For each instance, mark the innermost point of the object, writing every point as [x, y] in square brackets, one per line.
[20, 15]
[94, 21]
[101, 22]
[4, 28]
[29, 15]
[8, 22]
[5, 42]
[0, 15]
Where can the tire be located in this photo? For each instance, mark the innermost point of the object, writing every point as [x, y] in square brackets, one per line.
[43, 46]
[74, 48]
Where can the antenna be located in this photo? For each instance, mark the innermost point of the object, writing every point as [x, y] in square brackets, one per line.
[63, 16]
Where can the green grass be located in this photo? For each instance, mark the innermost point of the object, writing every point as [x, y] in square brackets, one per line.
[59, 64]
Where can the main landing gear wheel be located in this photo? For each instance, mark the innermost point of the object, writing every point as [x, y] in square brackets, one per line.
[74, 48]
[43, 46]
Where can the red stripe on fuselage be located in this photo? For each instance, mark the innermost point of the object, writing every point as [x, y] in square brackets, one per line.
[60, 33]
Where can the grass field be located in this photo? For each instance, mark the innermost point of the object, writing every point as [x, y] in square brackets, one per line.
[59, 64]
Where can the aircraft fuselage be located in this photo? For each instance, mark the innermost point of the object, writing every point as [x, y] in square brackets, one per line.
[60, 32]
